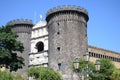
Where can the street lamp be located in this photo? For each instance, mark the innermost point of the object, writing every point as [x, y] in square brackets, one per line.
[86, 56]
[97, 65]
[76, 64]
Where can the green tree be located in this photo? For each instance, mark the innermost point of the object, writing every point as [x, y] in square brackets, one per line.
[82, 65]
[106, 69]
[43, 73]
[4, 75]
[18, 77]
[115, 75]
[9, 47]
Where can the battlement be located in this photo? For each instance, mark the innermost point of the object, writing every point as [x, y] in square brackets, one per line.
[21, 25]
[67, 8]
[20, 21]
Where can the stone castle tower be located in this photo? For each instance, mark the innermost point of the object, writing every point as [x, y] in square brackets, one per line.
[23, 29]
[67, 27]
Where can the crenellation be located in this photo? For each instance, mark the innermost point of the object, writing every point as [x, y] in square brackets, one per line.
[67, 8]
[67, 17]
[20, 21]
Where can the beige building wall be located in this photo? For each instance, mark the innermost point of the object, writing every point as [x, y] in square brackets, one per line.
[97, 53]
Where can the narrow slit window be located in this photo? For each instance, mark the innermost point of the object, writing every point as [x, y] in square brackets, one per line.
[58, 24]
[58, 33]
[59, 66]
[58, 48]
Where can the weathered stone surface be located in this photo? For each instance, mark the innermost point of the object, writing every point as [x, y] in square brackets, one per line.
[67, 38]
[23, 29]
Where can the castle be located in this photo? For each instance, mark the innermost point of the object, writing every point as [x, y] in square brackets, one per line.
[59, 40]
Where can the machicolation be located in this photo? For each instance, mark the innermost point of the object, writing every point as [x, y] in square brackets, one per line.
[68, 8]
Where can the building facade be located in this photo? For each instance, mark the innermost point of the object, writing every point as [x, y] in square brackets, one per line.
[59, 40]
[99, 53]
[39, 45]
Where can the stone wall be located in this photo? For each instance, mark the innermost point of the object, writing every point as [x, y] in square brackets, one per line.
[67, 27]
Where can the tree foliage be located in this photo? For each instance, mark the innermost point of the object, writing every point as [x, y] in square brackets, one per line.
[4, 75]
[107, 68]
[43, 73]
[115, 75]
[18, 77]
[9, 47]
[82, 67]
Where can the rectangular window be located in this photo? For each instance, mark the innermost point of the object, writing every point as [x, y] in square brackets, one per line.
[58, 48]
[58, 33]
[59, 66]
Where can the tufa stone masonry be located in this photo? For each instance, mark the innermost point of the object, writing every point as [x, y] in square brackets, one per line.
[67, 27]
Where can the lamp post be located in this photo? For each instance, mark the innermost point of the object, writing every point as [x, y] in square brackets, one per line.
[97, 65]
[77, 64]
[86, 56]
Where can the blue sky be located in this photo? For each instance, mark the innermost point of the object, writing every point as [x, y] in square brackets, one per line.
[103, 24]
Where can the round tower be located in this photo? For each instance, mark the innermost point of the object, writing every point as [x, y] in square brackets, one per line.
[23, 29]
[67, 27]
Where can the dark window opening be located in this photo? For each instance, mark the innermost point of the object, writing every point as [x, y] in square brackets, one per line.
[85, 35]
[59, 66]
[105, 56]
[58, 33]
[58, 24]
[119, 60]
[58, 48]
[90, 53]
[96, 55]
[40, 46]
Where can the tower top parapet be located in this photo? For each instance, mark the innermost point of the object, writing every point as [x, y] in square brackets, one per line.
[20, 21]
[67, 8]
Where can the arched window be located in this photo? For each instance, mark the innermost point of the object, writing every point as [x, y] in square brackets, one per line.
[40, 46]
